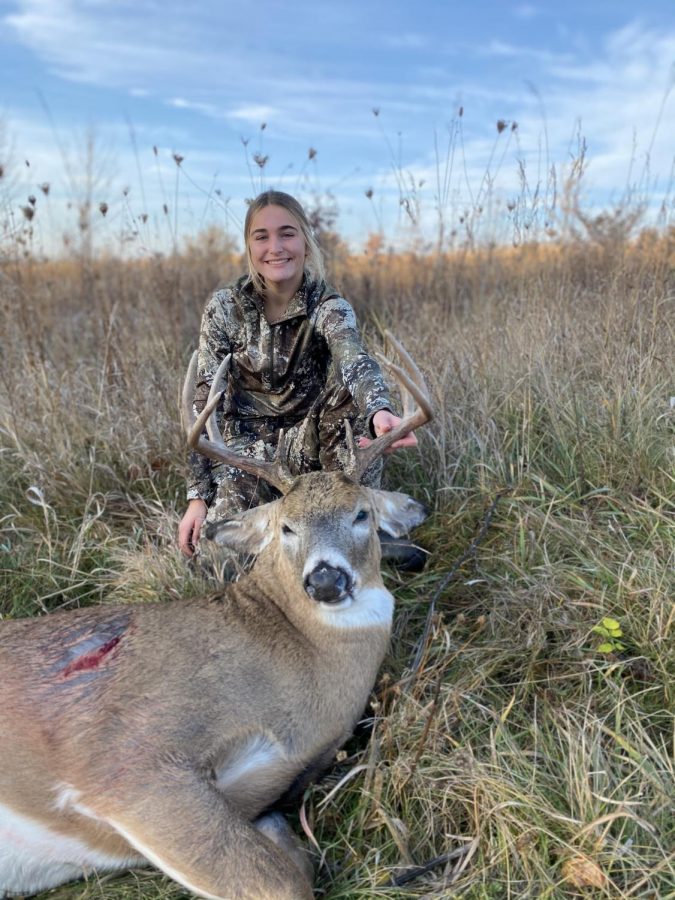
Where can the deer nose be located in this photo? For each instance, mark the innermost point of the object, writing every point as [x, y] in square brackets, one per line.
[327, 584]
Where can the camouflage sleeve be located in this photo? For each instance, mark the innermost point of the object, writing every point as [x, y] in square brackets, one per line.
[214, 344]
[359, 372]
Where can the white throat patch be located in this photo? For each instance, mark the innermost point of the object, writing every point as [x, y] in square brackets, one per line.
[368, 608]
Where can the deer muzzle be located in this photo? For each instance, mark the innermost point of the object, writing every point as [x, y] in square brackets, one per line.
[328, 584]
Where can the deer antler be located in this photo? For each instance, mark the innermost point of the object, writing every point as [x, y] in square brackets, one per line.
[417, 410]
[275, 473]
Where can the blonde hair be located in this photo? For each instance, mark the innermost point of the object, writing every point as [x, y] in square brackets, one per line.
[314, 258]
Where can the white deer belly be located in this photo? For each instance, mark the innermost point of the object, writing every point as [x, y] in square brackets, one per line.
[35, 858]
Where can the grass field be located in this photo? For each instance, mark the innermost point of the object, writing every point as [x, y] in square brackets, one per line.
[524, 716]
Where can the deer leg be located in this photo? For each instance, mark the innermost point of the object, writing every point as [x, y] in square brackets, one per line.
[276, 828]
[181, 824]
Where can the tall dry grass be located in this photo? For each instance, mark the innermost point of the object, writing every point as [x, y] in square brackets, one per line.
[501, 730]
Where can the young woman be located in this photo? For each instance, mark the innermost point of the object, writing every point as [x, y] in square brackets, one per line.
[297, 363]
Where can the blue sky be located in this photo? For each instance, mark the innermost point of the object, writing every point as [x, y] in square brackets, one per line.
[200, 79]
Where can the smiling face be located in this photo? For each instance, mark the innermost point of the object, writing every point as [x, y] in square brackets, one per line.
[277, 248]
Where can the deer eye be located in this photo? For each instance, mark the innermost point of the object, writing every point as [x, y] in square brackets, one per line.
[361, 516]
[286, 529]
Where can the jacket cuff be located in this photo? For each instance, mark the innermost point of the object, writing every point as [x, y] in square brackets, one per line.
[194, 493]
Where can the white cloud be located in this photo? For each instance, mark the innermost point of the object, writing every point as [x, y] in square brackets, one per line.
[205, 109]
[255, 115]
[188, 64]
[235, 83]
[621, 95]
[619, 103]
[512, 51]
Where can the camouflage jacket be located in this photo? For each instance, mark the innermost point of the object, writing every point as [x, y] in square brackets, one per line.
[279, 369]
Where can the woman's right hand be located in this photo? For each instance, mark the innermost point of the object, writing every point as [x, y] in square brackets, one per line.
[190, 527]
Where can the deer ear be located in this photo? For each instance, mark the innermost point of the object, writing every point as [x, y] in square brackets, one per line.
[247, 532]
[397, 513]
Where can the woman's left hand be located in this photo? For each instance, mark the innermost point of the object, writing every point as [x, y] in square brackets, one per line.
[384, 421]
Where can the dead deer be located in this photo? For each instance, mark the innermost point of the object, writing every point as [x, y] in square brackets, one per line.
[164, 733]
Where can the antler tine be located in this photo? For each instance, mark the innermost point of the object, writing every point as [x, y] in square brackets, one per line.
[352, 450]
[414, 395]
[406, 359]
[187, 412]
[217, 392]
[410, 379]
[417, 409]
[275, 473]
[194, 425]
